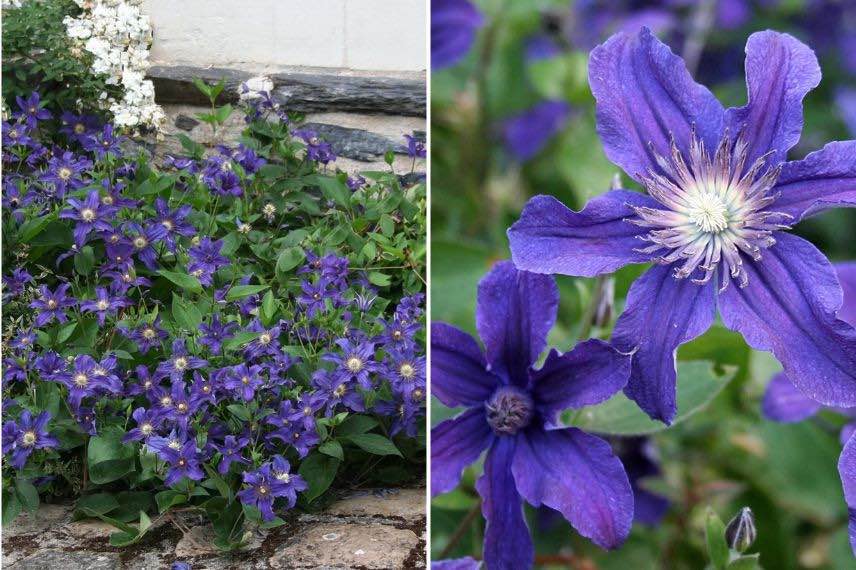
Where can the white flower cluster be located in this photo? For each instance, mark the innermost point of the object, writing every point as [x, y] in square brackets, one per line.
[253, 87]
[118, 34]
[12, 3]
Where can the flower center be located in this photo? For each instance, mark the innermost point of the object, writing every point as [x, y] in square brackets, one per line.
[182, 407]
[417, 395]
[51, 304]
[147, 429]
[149, 333]
[87, 214]
[265, 339]
[509, 410]
[180, 363]
[29, 438]
[340, 390]
[81, 380]
[283, 476]
[407, 371]
[140, 242]
[108, 200]
[102, 305]
[64, 173]
[262, 490]
[79, 128]
[174, 444]
[167, 224]
[354, 364]
[166, 401]
[182, 462]
[714, 211]
[245, 380]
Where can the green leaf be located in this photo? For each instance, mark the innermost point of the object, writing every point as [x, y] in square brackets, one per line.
[222, 113]
[335, 189]
[168, 499]
[745, 562]
[698, 384]
[241, 291]
[183, 280]
[374, 443]
[318, 470]
[84, 260]
[240, 411]
[717, 549]
[186, 315]
[34, 227]
[240, 339]
[27, 494]
[11, 506]
[332, 448]
[97, 504]
[65, 332]
[356, 424]
[109, 458]
[288, 259]
[379, 279]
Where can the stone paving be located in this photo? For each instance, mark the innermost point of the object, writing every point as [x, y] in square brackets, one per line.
[372, 529]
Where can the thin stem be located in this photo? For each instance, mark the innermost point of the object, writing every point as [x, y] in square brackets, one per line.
[462, 529]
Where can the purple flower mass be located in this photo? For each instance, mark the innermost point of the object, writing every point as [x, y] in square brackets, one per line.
[720, 194]
[512, 411]
[454, 24]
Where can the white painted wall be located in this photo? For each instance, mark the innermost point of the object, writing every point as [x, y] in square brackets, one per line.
[376, 35]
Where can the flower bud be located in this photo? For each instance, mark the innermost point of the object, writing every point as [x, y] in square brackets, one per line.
[740, 532]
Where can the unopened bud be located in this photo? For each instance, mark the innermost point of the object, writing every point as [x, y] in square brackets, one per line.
[740, 532]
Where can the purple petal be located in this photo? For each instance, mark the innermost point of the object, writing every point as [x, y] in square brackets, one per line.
[466, 563]
[847, 471]
[454, 24]
[578, 475]
[550, 238]
[507, 544]
[514, 312]
[527, 133]
[789, 308]
[845, 98]
[459, 375]
[456, 443]
[824, 179]
[589, 374]
[645, 95]
[784, 403]
[847, 278]
[780, 70]
[661, 313]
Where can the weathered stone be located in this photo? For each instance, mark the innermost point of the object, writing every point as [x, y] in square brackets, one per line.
[408, 504]
[185, 123]
[88, 529]
[338, 545]
[200, 542]
[357, 144]
[298, 91]
[77, 560]
[46, 518]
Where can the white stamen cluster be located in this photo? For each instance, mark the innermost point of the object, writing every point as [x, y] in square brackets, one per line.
[118, 35]
[715, 210]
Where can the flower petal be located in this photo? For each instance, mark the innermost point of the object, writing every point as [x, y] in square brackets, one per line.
[507, 544]
[661, 313]
[847, 278]
[822, 180]
[578, 475]
[456, 443]
[847, 472]
[645, 95]
[466, 563]
[454, 24]
[551, 238]
[459, 375]
[589, 374]
[784, 403]
[515, 311]
[789, 307]
[780, 70]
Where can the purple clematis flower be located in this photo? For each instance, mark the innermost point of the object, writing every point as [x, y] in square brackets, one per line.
[147, 336]
[415, 147]
[180, 362]
[356, 362]
[31, 110]
[86, 378]
[168, 224]
[90, 214]
[66, 173]
[148, 422]
[512, 411]
[183, 459]
[526, 134]
[719, 195]
[244, 380]
[267, 483]
[103, 143]
[205, 260]
[103, 304]
[52, 304]
[214, 334]
[454, 24]
[231, 452]
[29, 435]
[15, 282]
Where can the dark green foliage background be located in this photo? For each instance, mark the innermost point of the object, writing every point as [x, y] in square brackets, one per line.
[726, 455]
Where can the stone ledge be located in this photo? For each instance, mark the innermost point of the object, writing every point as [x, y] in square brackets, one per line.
[299, 91]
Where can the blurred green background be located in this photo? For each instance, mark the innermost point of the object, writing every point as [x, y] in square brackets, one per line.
[726, 456]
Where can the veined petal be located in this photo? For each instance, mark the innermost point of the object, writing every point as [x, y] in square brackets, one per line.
[589, 374]
[514, 312]
[507, 544]
[459, 375]
[780, 70]
[789, 307]
[824, 179]
[661, 313]
[466, 563]
[784, 403]
[847, 278]
[551, 238]
[578, 475]
[847, 472]
[645, 95]
[456, 443]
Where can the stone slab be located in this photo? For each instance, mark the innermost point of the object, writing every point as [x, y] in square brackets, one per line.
[407, 504]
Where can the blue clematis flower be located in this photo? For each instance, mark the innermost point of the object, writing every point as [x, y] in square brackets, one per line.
[719, 196]
[511, 413]
[454, 24]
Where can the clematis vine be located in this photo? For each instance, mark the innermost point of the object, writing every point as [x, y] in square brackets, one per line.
[720, 195]
[512, 413]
